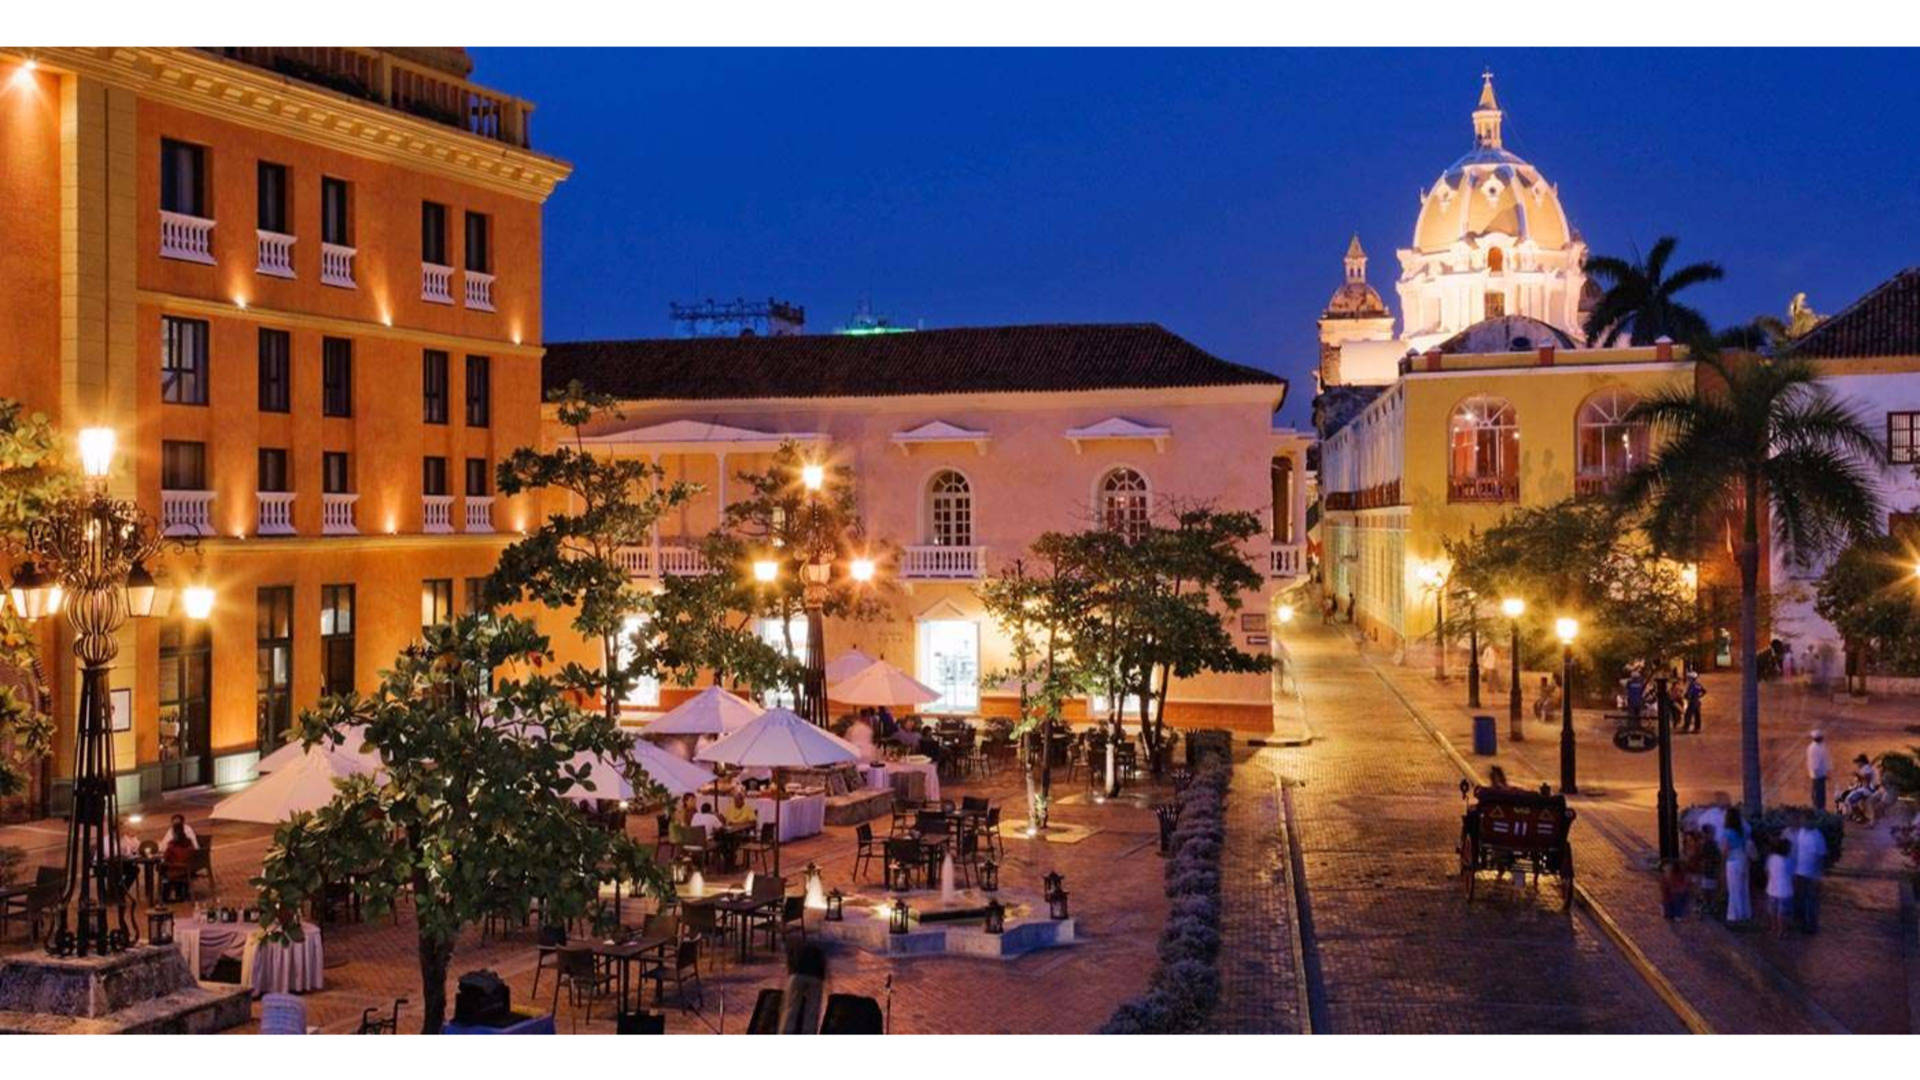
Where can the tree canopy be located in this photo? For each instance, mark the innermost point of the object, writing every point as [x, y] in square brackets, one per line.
[1638, 298]
[35, 473]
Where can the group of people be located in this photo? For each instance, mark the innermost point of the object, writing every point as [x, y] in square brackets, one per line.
[1719, 853]
[1641, 696]
[1857, 801]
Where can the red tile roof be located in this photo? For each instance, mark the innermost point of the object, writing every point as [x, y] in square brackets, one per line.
[1884, 322]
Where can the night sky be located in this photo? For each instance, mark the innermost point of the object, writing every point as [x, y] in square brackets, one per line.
[1212, 192]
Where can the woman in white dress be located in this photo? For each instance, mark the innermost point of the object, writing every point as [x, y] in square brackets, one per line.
[1739, 852]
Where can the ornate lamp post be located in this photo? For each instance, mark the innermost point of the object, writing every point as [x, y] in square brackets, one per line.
[1566, 629]
[1433, 577]
[1667, 803]
[1513, 607]
[89, 553]
[1473, 650]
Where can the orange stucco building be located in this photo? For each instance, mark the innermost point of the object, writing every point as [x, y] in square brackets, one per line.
[303, 285]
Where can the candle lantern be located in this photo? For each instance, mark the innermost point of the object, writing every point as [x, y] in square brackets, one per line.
[996, 916]
[897, 923]
[1051, 883]
[836, 906]
[989, 876]
[900, 876]
[160, 927]
[1057, 905]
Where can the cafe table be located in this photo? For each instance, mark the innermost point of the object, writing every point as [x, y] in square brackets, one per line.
[265, 967]
[736, 907]
[624, 954]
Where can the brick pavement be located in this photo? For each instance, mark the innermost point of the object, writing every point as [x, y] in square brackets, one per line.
[1260, 991]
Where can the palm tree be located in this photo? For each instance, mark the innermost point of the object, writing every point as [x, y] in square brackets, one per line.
[1761, 429]
[1638, 298]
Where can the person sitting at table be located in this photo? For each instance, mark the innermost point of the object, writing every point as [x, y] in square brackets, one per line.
[684, 813]
[739, 814]
[884, 725]
[708, 820]
[177, 859]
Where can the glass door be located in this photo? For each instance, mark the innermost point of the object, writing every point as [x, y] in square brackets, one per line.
[186, 697]
[950, 663]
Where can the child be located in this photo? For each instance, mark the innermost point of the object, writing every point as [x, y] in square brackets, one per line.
[1706, 870]
[1779, 887]
[1674, 889]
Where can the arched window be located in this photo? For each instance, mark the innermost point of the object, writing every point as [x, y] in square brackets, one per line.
[1607, 446]
[1123, 503]
[1283, 500]
[949, 510]
[1497, 260]
[1483, 452]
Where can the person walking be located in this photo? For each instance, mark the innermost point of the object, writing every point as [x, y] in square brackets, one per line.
[1690, 718]
[1819, 766]
[1809, 866]
[1737, 848]
[1779, 887]
[1636, 693]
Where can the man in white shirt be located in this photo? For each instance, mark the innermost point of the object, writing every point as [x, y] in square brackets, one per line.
[708, 820]
[1819, 766]
[1809, 865]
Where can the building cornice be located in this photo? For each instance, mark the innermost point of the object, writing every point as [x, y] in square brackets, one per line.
[204, 308]
[201, 82]
[1268, 394]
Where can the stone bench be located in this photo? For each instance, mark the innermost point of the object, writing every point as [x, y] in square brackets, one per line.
[858, 806]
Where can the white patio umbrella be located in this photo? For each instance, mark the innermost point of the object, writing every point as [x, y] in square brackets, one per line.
[847, 665]
[712, 711]
[780, 739]
[348, 752]
[306, 784]
[610, 782]
[880, 683]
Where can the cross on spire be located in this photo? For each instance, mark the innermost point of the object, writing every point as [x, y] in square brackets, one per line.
[1487, 114]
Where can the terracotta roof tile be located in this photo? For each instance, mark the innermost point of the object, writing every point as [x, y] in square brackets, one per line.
[1884, 322]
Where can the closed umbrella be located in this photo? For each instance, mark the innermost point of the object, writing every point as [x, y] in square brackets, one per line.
[305, 785]
[780, 739]
[880, 683]
[847, 665]
[712, 711]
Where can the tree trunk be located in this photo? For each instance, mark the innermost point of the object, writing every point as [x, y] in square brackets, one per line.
[435, 957]
[1749, 654]
[610, 650]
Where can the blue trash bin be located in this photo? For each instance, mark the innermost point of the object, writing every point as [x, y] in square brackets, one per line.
[1486, 742]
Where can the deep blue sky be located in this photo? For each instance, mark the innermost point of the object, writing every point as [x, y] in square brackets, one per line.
[1209, 191]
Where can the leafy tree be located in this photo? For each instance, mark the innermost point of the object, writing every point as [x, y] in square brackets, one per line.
[1638, 298]
[573, 559]
[705, 623]
[1754, 429]
[1034, 602]
[471, 813]
[34, 474]
[1868, 594]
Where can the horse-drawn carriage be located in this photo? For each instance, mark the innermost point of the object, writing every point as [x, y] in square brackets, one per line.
[1511, 830]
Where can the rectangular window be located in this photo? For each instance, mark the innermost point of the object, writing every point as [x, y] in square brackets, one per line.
[477, 478]
[336, 477]
[273, 469]
[1903, 438]
[183, 178]
[336, 377]
[479, 391]
[436, 602]
[433, 476]
[336, 639]
[479, 244]
[433, 386]
[476, 589]
[183, 361]
[273, 663]
[950, 663]
[276, 370]
[335, 222]
[272, 184]
[433, 234]
[183, 466]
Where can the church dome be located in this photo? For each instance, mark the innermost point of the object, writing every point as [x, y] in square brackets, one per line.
[1490, 191]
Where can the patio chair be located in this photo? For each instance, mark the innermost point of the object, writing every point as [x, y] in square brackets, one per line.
[904, 851]
[974, 803]
[547, 946]
[701, 923]
[203, 864]
[580, 974]
[694, 847]
[760, 847]
[683, 968]
[663, 846]
[869, 848]
[990, 831]
[766, 1012]
[852, 1014]
[661, 924]
[777, 922]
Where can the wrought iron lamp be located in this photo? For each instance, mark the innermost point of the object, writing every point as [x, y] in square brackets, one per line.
[898, 917]
[836, 906]
[996, 916]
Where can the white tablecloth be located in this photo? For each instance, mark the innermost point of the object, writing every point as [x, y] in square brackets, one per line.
[801, 815]
[294, 967]
[879, 775]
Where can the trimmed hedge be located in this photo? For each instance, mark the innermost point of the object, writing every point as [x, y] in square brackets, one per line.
[1181, 995]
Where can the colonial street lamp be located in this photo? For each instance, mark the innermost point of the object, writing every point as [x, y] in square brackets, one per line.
[1513, 607]
[1473, 650]
[1667, 803]
[1566, 629]
[1433, 577]
[89, 555]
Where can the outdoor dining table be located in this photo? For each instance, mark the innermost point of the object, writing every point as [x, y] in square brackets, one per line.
[265, 967]
[736, 908]
[625, 954]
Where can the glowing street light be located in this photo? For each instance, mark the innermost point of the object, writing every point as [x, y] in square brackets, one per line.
[1286, 614]
[197, 601]
[1566, 629]
[813, 476]
[765, 571]
[1513, 607]
[861, 570]
[96, 451]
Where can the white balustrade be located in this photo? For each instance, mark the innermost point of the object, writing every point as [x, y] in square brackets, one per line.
[437, 513]
[276, 254]
[637, 561]
[436, 283]
[479, 291]
[1287, 560]
[186, 513]
[336, 513]
[276, 513]
[479, 513]
[943, 562]
[336, 265]
[681, 560]
[183, 236]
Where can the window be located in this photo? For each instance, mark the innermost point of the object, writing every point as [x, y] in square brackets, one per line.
[645, 691]
[1607, 446]
[272, 191]
[336, 476]
[949, 510]
[186, 703]
[273, 469]
[433, 386]
[183, 178]
[433, 233]
[1483, 452]
[273, 664]
[433, 476]
[1903, 438]
[789, 641]
[276, 370]
[1123, 503]
[183, 466]
[436, 602]
[1282, 479]
[335, 219]
[479, 243]
[476, 597]
[950, 663]
[477, 480]
[336, 377]
[183, 361]
[336, 639]
[479, 391]
[1497, 260]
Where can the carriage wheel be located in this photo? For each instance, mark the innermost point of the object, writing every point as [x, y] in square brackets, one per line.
[1566, 879]
[1467, 865]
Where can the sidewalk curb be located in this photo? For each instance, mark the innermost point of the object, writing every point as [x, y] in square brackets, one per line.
[1662, 987]
[1910, 953]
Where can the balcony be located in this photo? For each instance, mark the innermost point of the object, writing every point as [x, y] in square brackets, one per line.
[380, 76]
[436, 283]
[940, 562]
[1595, 485]
[637, 561]
[336, 513]
[185, 237]
[1483, 489]
[436, 513]
[1287, 560]
[276, 254]
[186, 513]
[1335, 501]
[682, 560]
[336, 265]
[479, 513]
[479, 290]
[276, 513]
